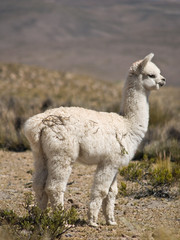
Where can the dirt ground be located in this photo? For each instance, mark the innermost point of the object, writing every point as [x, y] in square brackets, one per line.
[146, 218]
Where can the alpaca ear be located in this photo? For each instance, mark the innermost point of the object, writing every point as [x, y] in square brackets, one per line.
[147, 59]
[138, 66]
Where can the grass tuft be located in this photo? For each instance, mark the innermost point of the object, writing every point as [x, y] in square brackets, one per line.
[163, 171]
[123, 189]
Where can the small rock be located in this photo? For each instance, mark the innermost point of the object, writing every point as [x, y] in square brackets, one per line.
[68, 235]
[124, 212]
[70, 200]
[134, 236]
[75, 205]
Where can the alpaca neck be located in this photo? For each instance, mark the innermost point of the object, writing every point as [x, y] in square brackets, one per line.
[135, 105]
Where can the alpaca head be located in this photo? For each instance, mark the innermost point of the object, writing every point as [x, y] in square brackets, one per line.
[148, 74]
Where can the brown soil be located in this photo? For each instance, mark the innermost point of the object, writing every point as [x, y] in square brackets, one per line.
[145, 218]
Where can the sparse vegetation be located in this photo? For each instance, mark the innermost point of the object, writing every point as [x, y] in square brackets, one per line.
[132, 172]
[168, 146]
[154, 176]
[123, 189]
[161, 172]
[37, 224]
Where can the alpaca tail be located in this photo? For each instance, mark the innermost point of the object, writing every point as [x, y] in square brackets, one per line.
[33, 129]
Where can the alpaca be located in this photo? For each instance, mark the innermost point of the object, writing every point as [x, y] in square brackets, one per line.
[61, 136]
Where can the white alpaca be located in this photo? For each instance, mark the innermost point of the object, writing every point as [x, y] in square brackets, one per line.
[61, 136]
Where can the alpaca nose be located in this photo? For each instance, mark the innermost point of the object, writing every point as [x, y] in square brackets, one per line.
[162, 82]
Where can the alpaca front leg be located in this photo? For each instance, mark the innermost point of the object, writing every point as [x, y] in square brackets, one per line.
[109, 202]
[102, 181]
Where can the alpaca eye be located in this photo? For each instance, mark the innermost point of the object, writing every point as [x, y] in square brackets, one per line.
[151, 75]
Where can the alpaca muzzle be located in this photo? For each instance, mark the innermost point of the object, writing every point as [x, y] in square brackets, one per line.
[162, 82]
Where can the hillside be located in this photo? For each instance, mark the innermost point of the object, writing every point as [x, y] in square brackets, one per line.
[98, 38]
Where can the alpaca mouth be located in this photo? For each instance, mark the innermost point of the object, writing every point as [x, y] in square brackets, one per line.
[161, 84]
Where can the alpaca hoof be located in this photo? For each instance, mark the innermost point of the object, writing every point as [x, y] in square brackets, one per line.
[93, 224]
[112, 223]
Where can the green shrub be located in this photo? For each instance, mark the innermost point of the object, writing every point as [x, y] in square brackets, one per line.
[123, 189]
[161, 176]
[134, 171]
[36, 223]
[157, 171]
[164, 172]
[176, 172]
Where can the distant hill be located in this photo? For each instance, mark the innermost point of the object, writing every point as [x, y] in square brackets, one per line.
[101, 38]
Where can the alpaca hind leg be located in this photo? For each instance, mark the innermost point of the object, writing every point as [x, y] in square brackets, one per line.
[102, 181]
[39, 180]
[109, 202]
[59, 171]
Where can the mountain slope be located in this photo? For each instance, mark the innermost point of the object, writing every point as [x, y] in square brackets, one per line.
[98, 38]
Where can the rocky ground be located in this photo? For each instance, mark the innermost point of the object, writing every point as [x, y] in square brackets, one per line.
[146, 218]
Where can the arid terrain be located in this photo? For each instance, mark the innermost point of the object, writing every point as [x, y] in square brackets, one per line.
[146, 218]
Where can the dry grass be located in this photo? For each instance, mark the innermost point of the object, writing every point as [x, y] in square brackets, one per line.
[163, 162]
